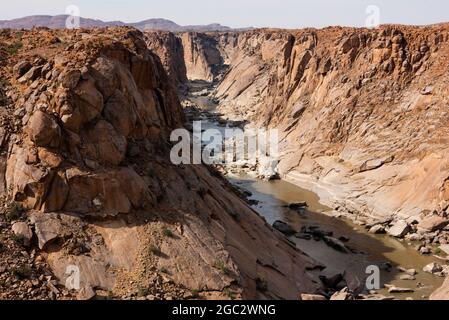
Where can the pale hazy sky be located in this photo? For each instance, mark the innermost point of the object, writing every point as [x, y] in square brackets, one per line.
[241, 13]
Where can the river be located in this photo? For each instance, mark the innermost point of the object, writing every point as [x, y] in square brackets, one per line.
[270, 198]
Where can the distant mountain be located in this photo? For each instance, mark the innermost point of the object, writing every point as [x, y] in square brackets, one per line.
[59, 21]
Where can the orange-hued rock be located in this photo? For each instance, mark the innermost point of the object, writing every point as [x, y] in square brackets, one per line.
[170, 50]
[361, 113]
[85, 152]
[201, 56]
[442, 293]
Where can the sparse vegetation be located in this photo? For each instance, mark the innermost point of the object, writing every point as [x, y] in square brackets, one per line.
[22, 272]
[164, 270]
[168, 233]
[228, 293]
[437, 251]
[155, 250]
[261, 284]
[110, 295]
[13, 211]
[142, 292]
[11, 49]
[19, 239]
[195, 294]
[220, 265]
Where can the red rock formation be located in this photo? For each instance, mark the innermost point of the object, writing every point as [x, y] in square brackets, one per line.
[171, 52]
[85, 142]
[361, 111]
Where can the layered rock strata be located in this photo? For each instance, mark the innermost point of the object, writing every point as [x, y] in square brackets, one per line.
[85, 140]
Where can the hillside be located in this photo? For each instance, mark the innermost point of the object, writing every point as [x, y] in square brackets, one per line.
[86, 181]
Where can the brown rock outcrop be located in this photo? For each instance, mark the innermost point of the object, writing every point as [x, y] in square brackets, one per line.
[361, 112]
[169, 48]
[201, 56]
[87, 158]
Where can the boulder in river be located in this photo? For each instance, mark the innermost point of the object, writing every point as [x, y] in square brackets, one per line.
[302, 235]
[386, 266]
[377, 229]
[444, 248]
[433, 268]
[399, 229]
[336, 244]
[297, 205]
[394, 289]
[425, 250]
[316, 233]
[432, 223]
[284, 228]
[333, 281]
[410, 272]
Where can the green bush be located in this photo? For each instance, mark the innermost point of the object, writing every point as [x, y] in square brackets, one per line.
[13, 211]
[195, 294]
[142, 292]
[155, 250]
[164, 270]
[11, 49]
[222, 267]
[261, 284]
[228, 293]
[19, 239]
[22, 272]
[168, 233]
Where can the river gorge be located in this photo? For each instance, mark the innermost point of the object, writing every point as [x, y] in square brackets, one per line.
[355, 207]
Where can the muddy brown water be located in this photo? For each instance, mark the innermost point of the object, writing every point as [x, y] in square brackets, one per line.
[371, 249]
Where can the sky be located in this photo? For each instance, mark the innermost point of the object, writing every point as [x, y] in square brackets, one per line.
[243, 13]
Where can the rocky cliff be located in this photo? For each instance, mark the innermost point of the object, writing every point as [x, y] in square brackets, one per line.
[361, 112]
[168, 47]
[87, 184]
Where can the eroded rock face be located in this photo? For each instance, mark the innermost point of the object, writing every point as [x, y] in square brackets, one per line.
[170, 50]
[87, 157]
[201, 56]
[358, 110]
[361, 113]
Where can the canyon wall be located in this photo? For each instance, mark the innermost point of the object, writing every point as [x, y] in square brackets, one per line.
[85, 173]
[362, 113]
[168, 47]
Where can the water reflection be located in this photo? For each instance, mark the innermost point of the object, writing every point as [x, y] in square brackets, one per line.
[370, 249]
